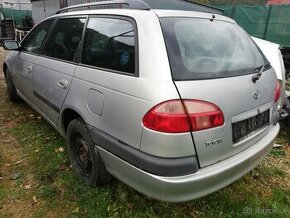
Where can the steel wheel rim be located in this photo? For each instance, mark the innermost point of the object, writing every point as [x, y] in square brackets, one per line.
[82, 155]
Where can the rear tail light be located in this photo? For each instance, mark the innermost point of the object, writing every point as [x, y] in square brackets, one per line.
[176, 116]
[277, 91]
[203, 115]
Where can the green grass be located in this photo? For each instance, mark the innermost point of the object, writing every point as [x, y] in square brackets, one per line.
[3, 194]
[278, 153]
[59, 187]
[284, 134]
[269, 171]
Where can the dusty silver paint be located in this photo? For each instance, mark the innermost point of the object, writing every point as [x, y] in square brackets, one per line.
[166, 145]
[233, 96]
[95, 101]
[49, 81]
[23, 71]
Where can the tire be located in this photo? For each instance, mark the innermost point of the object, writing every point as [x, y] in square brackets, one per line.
[85, 159]
[12, 92]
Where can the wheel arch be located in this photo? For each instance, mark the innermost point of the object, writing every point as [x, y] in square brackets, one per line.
[67, 115]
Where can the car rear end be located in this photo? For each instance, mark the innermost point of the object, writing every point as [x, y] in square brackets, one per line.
[228, 88]
[228, 92]
[223, 119]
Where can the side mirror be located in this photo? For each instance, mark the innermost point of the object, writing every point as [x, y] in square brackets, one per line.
[10, 45]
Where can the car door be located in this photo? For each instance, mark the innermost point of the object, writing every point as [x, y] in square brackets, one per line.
[55, 67]
[25, 59]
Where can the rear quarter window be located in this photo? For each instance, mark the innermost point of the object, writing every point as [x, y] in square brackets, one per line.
[109, 43]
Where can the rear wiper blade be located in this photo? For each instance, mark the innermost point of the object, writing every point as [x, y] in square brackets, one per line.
[259, 70]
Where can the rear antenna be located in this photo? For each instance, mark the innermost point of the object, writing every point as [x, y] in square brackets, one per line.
[213, 17]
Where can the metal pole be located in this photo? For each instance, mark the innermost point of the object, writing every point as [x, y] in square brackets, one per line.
[13, 22]
[267, 22]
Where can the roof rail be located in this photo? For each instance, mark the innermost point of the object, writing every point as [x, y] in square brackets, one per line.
[131, 4]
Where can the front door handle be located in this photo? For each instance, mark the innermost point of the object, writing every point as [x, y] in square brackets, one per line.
[63, 83]
[29, 69]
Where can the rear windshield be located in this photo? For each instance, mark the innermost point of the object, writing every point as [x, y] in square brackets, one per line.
[204, 49]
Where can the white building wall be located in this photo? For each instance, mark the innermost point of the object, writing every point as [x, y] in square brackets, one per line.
[43, 9]
[16, 4]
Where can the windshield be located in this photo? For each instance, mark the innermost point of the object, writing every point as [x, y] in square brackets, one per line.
[204, 49]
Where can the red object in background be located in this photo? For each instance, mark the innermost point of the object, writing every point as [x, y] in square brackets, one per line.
[278, 2]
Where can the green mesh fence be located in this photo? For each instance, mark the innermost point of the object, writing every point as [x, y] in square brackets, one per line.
[17, 15]
[267, 22]
[279, 25]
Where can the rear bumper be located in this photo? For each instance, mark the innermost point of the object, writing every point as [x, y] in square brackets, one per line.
[204, 182]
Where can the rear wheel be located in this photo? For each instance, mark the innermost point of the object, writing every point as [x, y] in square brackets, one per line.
[12, 92]
[85, 159]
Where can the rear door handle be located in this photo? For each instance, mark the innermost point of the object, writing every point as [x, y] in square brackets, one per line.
[63, 83]
[29, 69]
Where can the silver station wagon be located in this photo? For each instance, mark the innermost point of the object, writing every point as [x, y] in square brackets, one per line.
[175, 104]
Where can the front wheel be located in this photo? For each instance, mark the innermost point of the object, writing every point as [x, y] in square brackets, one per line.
[85, 159]
[12, 92]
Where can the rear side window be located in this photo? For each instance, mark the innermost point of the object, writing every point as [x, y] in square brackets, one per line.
[110, 43]
[65, 38]
[204, 49]
[33, 42]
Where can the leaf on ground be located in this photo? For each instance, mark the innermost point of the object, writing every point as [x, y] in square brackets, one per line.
[76, 210]
[61, 149]
[18, 162]
[62, 167]
[34, 199]
[27, 187]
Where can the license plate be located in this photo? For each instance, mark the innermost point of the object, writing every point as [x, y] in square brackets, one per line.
[244, 128]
